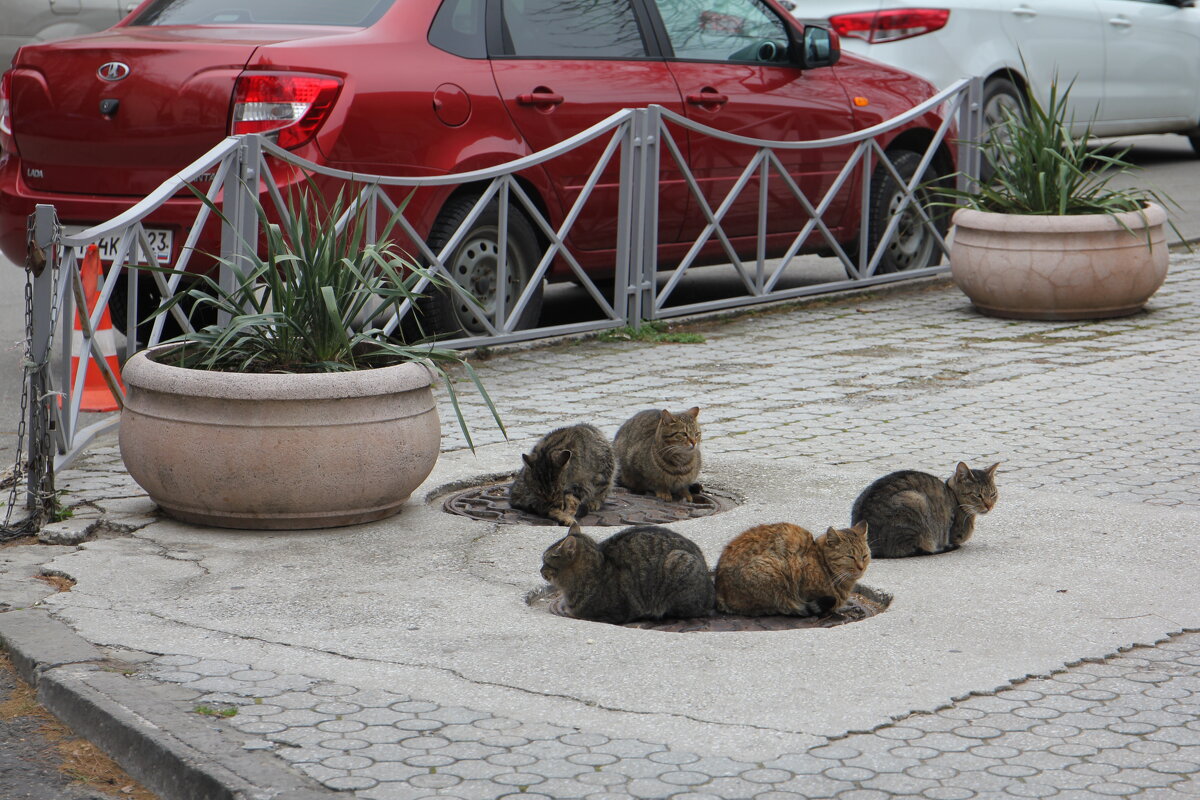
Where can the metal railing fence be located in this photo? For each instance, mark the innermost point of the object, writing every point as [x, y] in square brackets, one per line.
[637, 141]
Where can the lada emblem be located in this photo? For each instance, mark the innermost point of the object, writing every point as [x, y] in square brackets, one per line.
[113, 71]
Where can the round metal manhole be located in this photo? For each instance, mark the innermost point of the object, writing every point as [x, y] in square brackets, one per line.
[490, 502]
[863, 603]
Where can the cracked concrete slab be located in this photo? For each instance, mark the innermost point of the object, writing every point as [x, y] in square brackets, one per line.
[437, 600]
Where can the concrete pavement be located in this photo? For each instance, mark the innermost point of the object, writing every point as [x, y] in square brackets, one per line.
[400, 659]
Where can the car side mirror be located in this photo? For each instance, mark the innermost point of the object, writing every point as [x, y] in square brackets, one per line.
[819, 47]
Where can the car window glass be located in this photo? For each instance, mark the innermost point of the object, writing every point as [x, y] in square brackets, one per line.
[458, 28]
[572, 29]
[355, 13]
[724, 30]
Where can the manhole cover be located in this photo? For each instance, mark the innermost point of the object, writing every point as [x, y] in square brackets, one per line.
[863, 602]
[490, 502]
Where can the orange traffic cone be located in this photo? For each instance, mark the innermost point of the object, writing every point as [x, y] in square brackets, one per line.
[96, 394]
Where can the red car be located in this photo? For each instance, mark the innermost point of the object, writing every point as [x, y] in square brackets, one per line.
[431, 87]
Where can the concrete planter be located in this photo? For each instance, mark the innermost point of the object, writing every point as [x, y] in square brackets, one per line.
[278, 452]
[1058, 268]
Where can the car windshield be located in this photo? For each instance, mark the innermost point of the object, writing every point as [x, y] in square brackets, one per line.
[351, 13]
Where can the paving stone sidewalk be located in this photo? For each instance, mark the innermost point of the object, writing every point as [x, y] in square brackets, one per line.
[907, 379]
[1124, 726]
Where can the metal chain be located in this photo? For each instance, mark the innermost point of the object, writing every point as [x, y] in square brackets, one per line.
[41, 455]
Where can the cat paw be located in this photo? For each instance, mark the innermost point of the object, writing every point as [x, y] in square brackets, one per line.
[667, 496]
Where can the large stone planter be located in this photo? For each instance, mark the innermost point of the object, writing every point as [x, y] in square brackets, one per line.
[278, 451]
[1058, 268]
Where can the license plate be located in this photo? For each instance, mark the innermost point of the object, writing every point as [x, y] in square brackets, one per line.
[160, 241]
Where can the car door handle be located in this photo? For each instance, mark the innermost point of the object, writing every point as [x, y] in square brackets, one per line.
[1121, 22]
[539, 98]
[1024, 11]
[708, 99]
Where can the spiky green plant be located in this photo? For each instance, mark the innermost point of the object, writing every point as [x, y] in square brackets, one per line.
[1040, 168]
[300, 306]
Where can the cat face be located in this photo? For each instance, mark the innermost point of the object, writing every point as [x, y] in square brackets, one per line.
[975, 488]
[847, 552]
[546, 475]
[564, 553]
[679, 431]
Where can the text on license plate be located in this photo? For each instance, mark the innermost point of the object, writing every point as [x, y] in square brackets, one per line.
[159, 240]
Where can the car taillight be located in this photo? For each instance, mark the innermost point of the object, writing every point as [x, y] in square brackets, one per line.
[890, 25]
[290, 106]
[5, 113]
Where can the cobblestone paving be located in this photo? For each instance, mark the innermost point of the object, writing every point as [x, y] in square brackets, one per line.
[1128, 725]
[911, 380]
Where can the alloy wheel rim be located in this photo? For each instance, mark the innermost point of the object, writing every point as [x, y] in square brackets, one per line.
[474, 268]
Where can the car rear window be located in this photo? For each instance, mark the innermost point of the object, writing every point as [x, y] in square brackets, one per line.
[351, 13]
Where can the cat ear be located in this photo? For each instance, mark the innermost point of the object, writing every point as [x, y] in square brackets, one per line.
[991, 471]
[665, 416]
[574, 530]
[694, 412]
[962, 471]
[561, 457]
[528, 459]
[860, 528]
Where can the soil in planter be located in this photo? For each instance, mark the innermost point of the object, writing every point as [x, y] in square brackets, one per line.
[863, 603]
[490, 502]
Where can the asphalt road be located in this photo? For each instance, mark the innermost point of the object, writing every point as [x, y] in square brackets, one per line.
[1169, 164]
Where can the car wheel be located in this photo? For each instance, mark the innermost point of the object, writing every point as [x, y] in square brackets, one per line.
[473, 266]
[1000, 95]
[147, 301]
[912, 245]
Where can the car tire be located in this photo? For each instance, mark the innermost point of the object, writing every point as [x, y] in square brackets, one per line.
[473, 266]
[913, 245]
[998, 94]
[148, 300]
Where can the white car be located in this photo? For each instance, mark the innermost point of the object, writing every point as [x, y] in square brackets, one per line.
[27, 21]
[1135, 63]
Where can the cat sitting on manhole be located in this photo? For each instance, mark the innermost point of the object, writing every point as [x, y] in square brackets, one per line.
[659, 452]
[568, 472]
[644, 572]
[782, 569]
[914, 513]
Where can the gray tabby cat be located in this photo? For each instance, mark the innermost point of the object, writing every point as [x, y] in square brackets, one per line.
[568, 473]
[643, 572]
[916, 514]
[659, 452]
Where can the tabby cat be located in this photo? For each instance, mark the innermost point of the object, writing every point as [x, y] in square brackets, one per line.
[659, 452]
[643, 572]
[781, 569]
[917, 514]
[568, 473]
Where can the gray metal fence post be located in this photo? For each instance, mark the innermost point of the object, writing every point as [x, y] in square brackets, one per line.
[646, 267]
[40, 471]
[627, 226]
[970, 134]
[239, 233]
